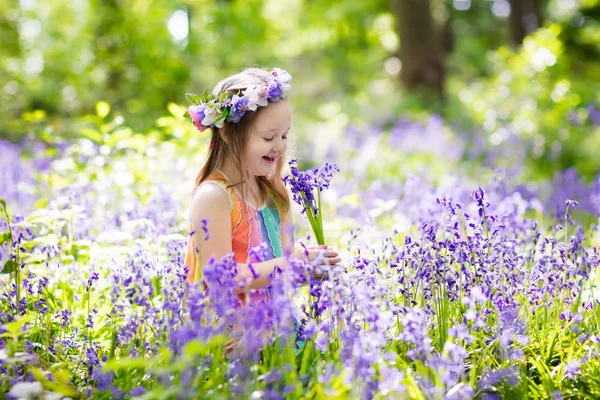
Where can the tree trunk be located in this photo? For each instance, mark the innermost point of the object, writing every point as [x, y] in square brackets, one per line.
[110, 49]
[421, 50]
[525, 17]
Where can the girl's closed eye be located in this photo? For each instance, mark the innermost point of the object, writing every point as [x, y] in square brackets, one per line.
[271, 139]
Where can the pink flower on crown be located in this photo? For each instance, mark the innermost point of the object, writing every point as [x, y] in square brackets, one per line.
[197, 114]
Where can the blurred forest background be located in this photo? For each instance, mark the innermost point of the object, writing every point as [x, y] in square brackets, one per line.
[514, 76]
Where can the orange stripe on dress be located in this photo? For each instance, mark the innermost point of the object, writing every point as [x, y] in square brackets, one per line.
[240, 231]
[190, 258]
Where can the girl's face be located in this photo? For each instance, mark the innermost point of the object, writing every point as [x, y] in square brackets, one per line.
[268, 138]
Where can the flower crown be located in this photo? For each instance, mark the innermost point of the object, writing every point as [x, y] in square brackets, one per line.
[207, 111]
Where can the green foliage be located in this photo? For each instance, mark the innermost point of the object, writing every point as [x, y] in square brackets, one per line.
[540, 94]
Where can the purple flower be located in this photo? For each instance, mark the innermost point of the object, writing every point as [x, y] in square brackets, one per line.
[571, 203]
[93, 278]
[414, 332]
[568, 218]
[304, 183]
[65, 317]
[138, 391]
[238, 108]
[572, 368]
[260, 253]
[274, 88]
[594, 114]
[205, 229]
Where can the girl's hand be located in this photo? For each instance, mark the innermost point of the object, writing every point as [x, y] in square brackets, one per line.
[327, 255]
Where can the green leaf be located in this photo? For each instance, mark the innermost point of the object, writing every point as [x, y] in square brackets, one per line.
[38, 374]
[156, 285]
[41, 203]
[102, 109]
[16, 325]
[192, 99]
[9, 267]
[197, 347]
[92, 134]
[5, 237]
[226, 113]
[114, 364]
[119, 135]
[62, 385]
[3, 203]
[205, 97]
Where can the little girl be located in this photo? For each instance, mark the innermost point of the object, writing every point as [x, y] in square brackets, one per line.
[239, 198]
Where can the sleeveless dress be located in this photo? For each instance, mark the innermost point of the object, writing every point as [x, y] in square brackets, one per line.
[250, 226]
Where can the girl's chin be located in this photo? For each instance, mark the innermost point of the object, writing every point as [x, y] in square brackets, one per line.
[263, 171]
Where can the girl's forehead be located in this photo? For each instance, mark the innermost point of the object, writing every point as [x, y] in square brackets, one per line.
[274, 117]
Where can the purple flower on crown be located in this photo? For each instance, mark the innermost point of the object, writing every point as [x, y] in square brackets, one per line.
[238, 108]
[274, 88]
[227, 102]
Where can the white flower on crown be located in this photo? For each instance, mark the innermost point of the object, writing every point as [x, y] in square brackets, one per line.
[284, 79]
[212, 113]
[257, 96]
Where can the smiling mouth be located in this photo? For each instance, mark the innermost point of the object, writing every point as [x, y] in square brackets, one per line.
[269, 159]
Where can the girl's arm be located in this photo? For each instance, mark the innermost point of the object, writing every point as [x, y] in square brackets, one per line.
[211, 204]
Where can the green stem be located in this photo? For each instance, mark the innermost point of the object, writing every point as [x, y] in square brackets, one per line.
[315, 220]
[566, 244]
[473, 255]
[487, 232]
[17, 271]
[320, 240]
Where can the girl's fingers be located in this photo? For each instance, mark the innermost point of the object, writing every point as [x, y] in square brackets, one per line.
[319, 247]
[328, 253]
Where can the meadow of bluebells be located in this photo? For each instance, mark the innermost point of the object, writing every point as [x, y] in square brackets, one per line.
[452, 287]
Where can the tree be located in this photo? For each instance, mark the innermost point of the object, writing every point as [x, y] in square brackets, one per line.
[525, 17]
[421, 49]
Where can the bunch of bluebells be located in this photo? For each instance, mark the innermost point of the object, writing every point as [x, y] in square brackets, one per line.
[306, 187]
[208, 111]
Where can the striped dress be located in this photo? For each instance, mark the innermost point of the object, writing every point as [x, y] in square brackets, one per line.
[250, 226]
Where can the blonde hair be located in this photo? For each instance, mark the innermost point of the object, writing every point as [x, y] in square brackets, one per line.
[231, 140]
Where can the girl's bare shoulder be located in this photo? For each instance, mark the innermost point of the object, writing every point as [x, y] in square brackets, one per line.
[210, 200]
